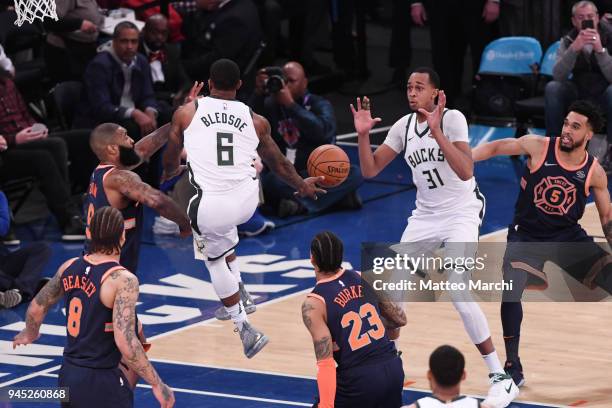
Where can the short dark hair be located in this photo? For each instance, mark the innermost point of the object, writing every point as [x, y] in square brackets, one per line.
[447, 364]
[591, 111]
[124, 25]
[434, 78]
[105, 228]
[225, 74]
[327, 251]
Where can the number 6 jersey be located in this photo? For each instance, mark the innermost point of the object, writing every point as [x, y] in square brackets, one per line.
[221, 144]
[438, 186]
[353, 318]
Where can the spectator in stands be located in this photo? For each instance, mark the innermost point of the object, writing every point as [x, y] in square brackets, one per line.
[26, 152]
[16, 124]
[220, 29]
[300, 122]
[72, 40]
[170, 82]
[118, 87]
[455, 24]
[584, 54]
[20, 271]
[446, 372]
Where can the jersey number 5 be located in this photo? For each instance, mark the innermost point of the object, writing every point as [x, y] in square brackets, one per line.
[356, 339]
[225, 149]
[75, 309]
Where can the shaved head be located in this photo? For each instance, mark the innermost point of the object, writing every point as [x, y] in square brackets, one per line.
[155, 19]
[296, 68]
[296, 79]
[102, 136]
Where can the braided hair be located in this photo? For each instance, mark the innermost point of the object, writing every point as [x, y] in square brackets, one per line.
[327, 251]
[106, 228]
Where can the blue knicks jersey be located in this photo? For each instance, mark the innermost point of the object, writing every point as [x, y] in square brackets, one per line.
[353, 318]
[89, 324]
[132, 215]
[553, 196]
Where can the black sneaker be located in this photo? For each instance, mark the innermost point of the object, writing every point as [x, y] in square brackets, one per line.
[74, 230]
[351, 201]
[289, 207]
[515, 369]
[10, 239]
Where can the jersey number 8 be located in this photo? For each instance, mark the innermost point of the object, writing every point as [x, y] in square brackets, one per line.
[75, 309]
[356, 339]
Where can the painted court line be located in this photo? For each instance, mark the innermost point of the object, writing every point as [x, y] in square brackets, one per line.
[216, 394]
[180, 329]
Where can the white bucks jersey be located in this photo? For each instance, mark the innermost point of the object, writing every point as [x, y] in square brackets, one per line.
[221, 144]
[438, 186]
[459, 402]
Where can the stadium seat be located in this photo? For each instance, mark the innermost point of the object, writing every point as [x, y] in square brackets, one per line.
[66, 96]
[506, 74]
[530, 111]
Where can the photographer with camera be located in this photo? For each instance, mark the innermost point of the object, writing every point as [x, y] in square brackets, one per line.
[300, 122]
[584, 53]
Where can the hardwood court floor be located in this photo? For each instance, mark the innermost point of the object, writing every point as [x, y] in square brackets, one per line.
[566, 348]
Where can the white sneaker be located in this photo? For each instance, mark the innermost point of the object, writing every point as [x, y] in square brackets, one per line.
[502, 391]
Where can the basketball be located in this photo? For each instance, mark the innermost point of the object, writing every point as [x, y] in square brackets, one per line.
[329, 161]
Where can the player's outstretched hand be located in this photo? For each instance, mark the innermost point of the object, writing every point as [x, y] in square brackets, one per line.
[193, 92]
[435, 118]
[310, 188]
[362, 117]
[24, 338]
[164, 395]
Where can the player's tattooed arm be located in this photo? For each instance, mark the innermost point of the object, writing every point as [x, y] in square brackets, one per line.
[124, 323]
[151, 143]
[393, 314]
[314, 318]
[131, 186]
[271, 155]
[48, 296]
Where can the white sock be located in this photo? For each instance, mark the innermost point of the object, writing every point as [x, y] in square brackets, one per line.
[233, 265]
[238, 315]
[493, 362]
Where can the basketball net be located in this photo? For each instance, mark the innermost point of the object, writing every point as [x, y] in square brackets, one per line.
[28, 10]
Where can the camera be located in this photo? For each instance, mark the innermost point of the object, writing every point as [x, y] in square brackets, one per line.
[276, 79]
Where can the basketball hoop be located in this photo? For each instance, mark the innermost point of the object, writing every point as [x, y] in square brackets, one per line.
[28, 10]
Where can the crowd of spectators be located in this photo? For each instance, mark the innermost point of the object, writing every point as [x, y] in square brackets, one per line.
[136, 73]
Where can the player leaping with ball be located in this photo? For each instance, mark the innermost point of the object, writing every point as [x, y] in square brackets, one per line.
[449, 207]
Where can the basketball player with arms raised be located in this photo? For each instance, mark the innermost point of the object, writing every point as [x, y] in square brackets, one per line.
[100, 298]
[557, 180]
[222, 138]
[345, 319]
[449, 208]
[113, 183]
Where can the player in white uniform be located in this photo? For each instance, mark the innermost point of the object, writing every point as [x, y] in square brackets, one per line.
[446, 371]
[222, 137]
[449, 207]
